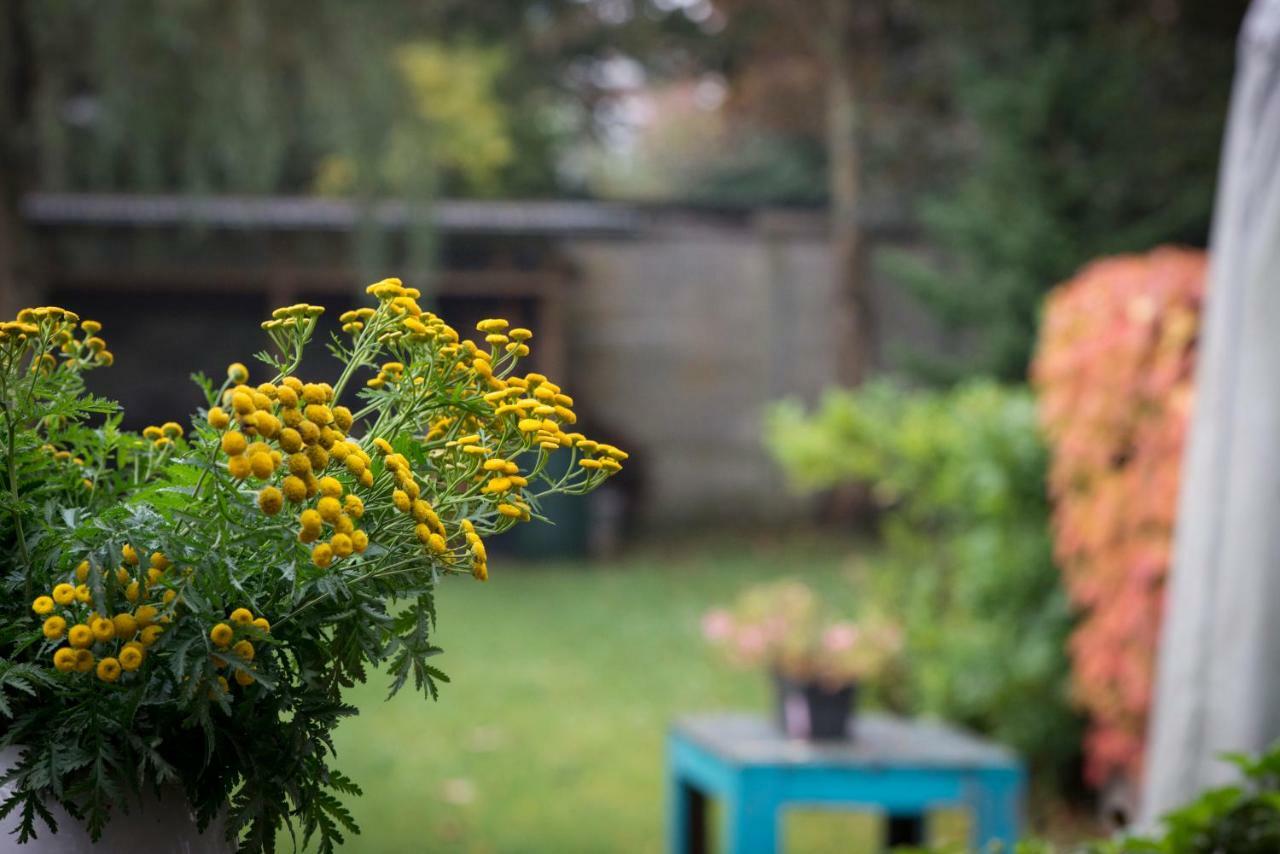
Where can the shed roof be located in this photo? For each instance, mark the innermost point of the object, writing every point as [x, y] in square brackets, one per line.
[497, 216]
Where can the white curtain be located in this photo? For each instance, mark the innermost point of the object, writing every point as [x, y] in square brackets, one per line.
[1218, 686]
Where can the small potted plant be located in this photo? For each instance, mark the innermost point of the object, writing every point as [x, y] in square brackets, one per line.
[182, 609]
[816, 658]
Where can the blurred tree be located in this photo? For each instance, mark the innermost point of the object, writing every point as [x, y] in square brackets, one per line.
[848, 43]
[1096, 129]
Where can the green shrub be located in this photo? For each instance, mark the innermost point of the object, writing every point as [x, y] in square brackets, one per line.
[966, 563]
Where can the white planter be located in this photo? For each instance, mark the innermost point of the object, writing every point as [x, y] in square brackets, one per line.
[155, 824]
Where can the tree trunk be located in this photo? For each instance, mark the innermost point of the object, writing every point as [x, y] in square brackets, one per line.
[844, 157]
[1218, 685]
[17, 80]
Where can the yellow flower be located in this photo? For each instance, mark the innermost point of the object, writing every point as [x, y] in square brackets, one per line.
[239, 467]
[126, 626]
[423, 533]
[262, 623]
[353, 505]
[109, 669]
[221, 635]
[130, 554]
[262, 465]
[80, 636]
[65, 659]
[437, 543]
[295, 489]
[266, 423]
[495, 324]
[343, 418]
[310, 520]
[318, 457]
[150, 635]
[158, 560]
[290, 440]
[244, 678]
[131, 658]
[299, 465]
[234, 443]
[270, 500]
[520, 334]
[54, 628]
[146, 615]
[330, 487]
[172, 429]
[342, 545]
[237, 372]
[244, 649]
[44, 604]
[82, 571]
[383, 446]
[103, 629]
[344, 525]
[359, 541]
[400, 499]
[84, 661]
[243, 616]
[322, 555]
[510, 510]
[329, 509]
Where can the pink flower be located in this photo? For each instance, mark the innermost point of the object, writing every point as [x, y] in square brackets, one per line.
[751, 643]
[840, 637]
[717, 625]
[775, 627]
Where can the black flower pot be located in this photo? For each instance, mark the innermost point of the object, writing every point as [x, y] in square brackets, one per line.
[813, 711]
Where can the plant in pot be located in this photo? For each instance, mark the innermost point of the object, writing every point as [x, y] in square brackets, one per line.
[181, 609]
[816, 657]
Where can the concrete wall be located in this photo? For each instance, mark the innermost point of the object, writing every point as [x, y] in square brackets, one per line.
[682, 336]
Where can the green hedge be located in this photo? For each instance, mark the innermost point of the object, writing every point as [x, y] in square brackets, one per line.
[966, 560]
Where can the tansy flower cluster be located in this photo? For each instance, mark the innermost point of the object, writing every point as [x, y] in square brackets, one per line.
[86, 640]
[234, 637]
[50, 333]
[297, 437]
[335, 507]
[164, 435]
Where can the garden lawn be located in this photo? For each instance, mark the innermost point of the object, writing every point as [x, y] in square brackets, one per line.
[565, 676]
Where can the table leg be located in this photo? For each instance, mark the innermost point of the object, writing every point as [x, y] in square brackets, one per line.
[689, 820]
[904, 829]
[752, 813]
[997, 802]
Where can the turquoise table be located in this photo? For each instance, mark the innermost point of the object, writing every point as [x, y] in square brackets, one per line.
[901, 767]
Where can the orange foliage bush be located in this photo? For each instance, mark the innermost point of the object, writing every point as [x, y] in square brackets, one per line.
[1113, 372]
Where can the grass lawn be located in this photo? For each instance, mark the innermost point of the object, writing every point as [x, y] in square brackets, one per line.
[550, 737]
